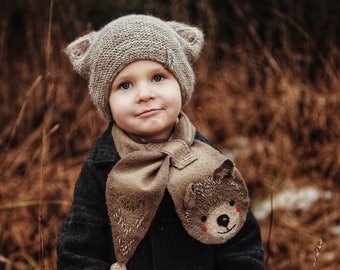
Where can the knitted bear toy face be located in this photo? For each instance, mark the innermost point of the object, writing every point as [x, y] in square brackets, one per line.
[215, 209]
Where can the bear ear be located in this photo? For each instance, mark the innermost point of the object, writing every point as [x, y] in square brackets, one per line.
[190, 196]
[192, 39]
[226, 168]
[78, 53]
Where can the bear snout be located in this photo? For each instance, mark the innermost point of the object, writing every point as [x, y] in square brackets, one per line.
[223, 220]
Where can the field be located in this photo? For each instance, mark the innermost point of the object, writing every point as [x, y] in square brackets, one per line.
[267, 94]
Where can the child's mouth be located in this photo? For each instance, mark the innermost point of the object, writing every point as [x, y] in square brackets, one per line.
[148, 113]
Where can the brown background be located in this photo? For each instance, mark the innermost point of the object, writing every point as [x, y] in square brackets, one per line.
[267, 94]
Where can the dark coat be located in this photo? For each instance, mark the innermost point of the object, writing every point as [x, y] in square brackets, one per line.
[85, 240]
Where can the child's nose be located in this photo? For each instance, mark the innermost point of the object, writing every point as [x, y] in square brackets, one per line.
[145, 93]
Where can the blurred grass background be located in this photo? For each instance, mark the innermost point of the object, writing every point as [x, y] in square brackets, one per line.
[267, 94]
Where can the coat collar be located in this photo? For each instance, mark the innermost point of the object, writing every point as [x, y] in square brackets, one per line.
[105, 150]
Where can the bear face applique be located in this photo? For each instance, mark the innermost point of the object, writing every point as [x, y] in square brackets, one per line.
[215, 209]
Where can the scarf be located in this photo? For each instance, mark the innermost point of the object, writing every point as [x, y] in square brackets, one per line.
[193, 173]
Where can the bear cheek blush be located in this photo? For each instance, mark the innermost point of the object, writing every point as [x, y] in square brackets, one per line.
[238, 208]
[204, 228]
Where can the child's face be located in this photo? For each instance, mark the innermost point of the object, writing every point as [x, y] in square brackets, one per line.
[145, 100]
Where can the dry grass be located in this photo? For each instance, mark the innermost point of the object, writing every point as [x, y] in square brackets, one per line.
[280, 125]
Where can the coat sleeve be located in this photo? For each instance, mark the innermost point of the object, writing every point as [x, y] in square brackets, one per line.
[83, 241]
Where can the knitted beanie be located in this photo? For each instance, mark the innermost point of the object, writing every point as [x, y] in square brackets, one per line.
[100, 55]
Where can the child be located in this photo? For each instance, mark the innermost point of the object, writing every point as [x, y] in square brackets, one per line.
[131, 206]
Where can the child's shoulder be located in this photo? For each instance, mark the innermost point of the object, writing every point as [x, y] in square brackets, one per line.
[200, 137]
[104, 149]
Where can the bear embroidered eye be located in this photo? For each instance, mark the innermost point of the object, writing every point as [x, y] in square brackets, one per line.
[203, 218]
[231, 203]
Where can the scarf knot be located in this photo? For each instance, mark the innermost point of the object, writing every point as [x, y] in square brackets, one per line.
[178, 151]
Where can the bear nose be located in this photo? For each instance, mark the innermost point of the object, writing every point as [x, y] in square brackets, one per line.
[223, 220]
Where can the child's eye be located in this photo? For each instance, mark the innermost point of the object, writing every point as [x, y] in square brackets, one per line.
[158, 78]
[125, 85]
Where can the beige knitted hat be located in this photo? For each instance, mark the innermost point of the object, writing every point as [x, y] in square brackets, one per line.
[100, 55]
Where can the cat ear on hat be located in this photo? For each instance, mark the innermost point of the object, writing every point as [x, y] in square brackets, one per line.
[192, 39]
[78, 53]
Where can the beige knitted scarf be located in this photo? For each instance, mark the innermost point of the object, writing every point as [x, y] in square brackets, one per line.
[203, 184]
